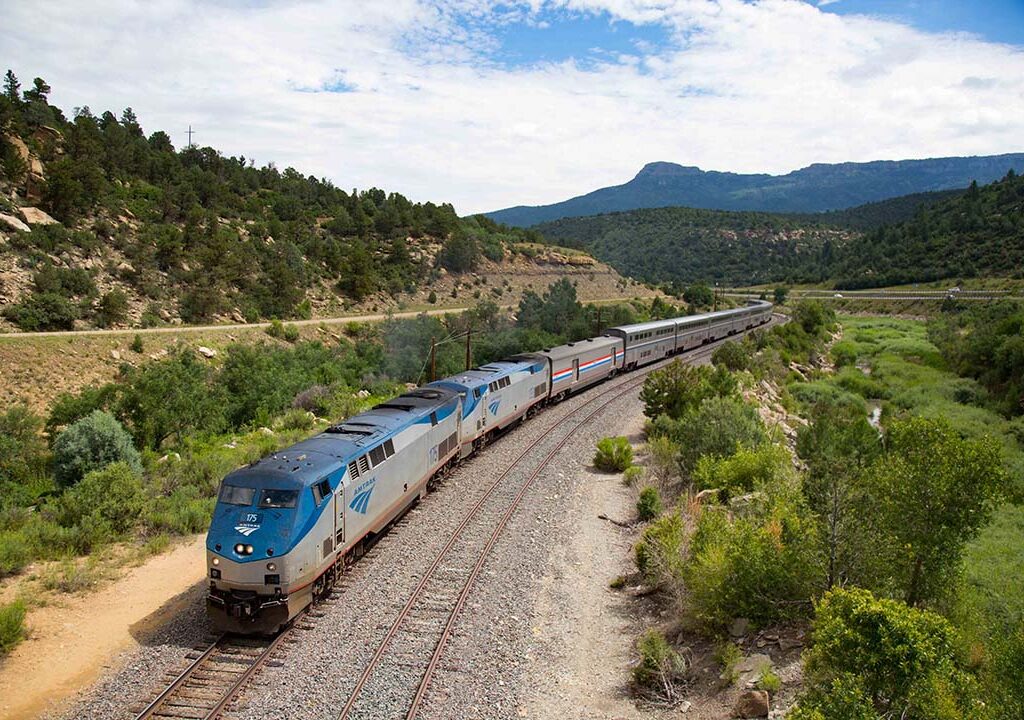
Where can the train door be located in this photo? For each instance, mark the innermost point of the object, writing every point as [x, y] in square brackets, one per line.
[339, 516]
[576, 369]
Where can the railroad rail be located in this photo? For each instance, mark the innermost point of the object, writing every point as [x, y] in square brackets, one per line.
[424, 625]
[204, 689]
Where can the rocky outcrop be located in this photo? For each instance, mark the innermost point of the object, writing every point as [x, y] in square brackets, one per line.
[13, 223]
[752, 704]
[35, 216]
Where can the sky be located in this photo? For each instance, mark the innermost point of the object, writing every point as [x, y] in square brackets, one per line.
[492, 104]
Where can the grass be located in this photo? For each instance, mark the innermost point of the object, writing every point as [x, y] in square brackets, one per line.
[12, 626]
[73, 576]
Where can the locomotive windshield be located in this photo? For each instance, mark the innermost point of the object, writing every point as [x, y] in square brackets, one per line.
[234, 495]
[278, 498]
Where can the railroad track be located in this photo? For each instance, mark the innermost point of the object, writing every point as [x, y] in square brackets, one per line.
[204, 689]
[395, 680]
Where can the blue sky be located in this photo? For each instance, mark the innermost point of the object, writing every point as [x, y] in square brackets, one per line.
[486, 104]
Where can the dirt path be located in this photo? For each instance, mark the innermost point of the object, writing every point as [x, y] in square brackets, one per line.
[71, 644]
[588, 628]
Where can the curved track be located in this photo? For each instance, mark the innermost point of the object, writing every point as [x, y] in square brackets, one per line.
[403, 665]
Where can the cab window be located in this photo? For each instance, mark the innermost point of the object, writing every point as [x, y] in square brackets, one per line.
[278, 498]
[234, 495]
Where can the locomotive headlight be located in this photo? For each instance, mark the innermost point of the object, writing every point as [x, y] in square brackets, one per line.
[271, 567]
[248, 549]
[240, 549]
[216, 561]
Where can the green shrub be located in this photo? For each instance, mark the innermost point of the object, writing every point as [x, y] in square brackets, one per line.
[295, 420]
[614, 454]
[765, 468]
[112, 309]
[111, 497]
[648, 505]
[659, 667]
[769, 681]
[43, 311]
[901, 660]
[291, 333]
[12, 625]
[14, 553]
[276, 329]
[678, 389]
[632, 475]
[717, 428]
[70, 576]
[184, 512]
[728, 656]
[23, 457]
[732, 355]
[1004, 677]
[659, 552]
[137, 345]
[763, 569]
[90, 444]
[432, 297]
[841, 698]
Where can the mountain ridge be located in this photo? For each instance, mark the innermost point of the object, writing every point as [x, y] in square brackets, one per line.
[819, 187]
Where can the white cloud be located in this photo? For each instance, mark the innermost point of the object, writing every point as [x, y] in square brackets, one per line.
[765, 87]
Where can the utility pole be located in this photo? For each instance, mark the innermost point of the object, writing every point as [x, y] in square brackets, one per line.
[716, 298]
[190, 136]
[469, 348]
[433, 360]
[598, 320]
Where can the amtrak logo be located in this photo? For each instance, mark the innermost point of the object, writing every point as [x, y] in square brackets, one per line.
[248, 523]
[246, 529]
[493, 407]
[361, 500]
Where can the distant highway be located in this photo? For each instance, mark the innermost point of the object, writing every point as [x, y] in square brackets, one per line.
[908, 295]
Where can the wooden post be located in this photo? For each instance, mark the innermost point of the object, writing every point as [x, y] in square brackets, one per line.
[469, 348]
[598, 320]
[433, 360]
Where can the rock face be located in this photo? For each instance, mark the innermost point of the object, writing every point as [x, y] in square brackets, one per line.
[35, 216]
[13, 223]
[752, 704]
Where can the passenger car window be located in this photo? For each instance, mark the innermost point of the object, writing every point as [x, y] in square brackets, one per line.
[234, 495]
[278, 498]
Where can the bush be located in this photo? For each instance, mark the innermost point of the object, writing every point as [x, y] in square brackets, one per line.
[137, 344]
[14, 553]
[765, 468]
[900, 660]
[717, 428]
[291, 333]
[1004, 679]
[844, 353]
[12, 625]
[23, 457]
[43, 311]
[648, 506]
[659, 667]
[732, 355]
[659, 552]
[184, 512]
[632, 475]
[296, 420]
[276, 329]
[763, 569]
[92, 443]
[769, 681]
[112, 497]
[678, 389]
[432, 297]
[112, 309]
[613, 454]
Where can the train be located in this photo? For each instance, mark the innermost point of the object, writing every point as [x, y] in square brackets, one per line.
[285, 526]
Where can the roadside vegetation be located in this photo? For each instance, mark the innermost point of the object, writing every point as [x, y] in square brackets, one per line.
[883, 520]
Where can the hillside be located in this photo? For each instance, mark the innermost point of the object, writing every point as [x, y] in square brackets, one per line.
[817, 188]
[915, 238]
[978, 233]
[686, 245]
[104, 226]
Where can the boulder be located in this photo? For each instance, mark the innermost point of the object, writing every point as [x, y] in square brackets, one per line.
[35, 216]
[115, 354]
[709, 496]
[237, 316]
[751, 704]
[207, 352]
[739, 627]
[749, 669]
[13, 223]
[266, 431]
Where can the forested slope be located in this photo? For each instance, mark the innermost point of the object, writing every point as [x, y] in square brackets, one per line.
[102, 223]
